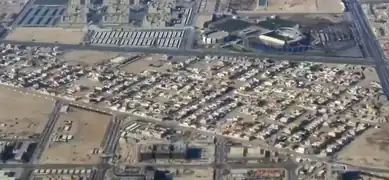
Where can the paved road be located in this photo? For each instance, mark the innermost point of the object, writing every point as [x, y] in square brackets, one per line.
[203, 52]
[369, 43]
[109, 149]
[220, 158]
[46, 133]
[113, 137]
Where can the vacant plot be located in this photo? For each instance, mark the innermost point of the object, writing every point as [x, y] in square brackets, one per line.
[371, 149]
[47, 35]
[22, 115]
[87, 130]
[205, 173]
[202, 18]
[152, 62]
[89, 57]
[301, 6]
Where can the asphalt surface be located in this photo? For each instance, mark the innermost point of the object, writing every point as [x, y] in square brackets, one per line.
[369, 43]
[113, 137]
[220, 157]
[46, 133]
[109, 149]
[303, 57]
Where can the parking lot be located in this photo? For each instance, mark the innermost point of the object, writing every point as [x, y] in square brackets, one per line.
[149, 38]
[38, 16]
[331, 35]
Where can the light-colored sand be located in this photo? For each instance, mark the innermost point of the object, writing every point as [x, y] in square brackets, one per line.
[302, 6]
[89, 57]
[22, 114]
[202, 18]
[194, 174]
[47, 35]
[370, 149]
[88, 129]
[143, 64]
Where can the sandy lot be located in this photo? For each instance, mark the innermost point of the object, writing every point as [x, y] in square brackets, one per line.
[22, 115]
[89, 57]
[47, 35]
[144, 64]
[370, 149]
[302, 6]
[192, 174]
[88, 129]
[202, 18]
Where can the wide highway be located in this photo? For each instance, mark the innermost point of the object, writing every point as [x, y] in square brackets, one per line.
[303, 57]
[220, 155]
[46, 133]
[370, 43]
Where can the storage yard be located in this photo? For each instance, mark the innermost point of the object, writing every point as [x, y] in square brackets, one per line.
[22, 115]
[47, 35]
[158, 39]
[77, 137]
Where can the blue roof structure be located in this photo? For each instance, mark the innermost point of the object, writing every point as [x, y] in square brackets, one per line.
[262, 3]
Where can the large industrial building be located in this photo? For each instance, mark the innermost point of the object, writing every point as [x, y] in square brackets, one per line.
[282, 36]
[272, 32]
[214, 37]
